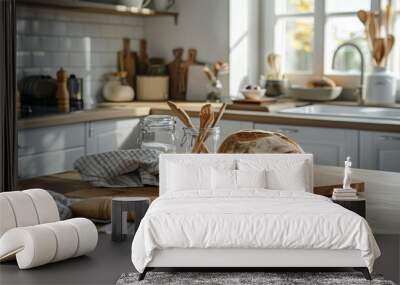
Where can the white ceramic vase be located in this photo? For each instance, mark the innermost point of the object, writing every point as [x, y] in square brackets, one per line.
[380, 87]
[115, 91]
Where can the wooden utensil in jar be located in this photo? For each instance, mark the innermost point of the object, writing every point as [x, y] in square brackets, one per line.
[185, 119]
[206, 119]
[181, 114]
[217, 118]
[390, 40]
[379, 50]
[362, 16]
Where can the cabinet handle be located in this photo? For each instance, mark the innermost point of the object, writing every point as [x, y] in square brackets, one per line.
[288, 131]
[91, 130]
[389, 138]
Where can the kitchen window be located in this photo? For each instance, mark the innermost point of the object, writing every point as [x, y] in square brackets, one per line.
[307, 32]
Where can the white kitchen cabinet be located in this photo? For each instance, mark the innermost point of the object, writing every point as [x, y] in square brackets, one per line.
[329, 146]
[48, 162]
[380, 151]
[43, 151]
[104, 136]
[40, 140]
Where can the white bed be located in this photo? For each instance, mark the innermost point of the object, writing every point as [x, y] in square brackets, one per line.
[217, 224]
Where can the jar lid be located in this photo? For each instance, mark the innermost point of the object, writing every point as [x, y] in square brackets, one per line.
[159, 121]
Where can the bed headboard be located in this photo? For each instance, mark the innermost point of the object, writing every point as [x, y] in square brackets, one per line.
[233, 159]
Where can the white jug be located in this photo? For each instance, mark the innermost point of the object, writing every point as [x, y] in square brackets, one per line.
[380, 87]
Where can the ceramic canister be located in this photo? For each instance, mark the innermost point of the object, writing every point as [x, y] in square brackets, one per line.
[380, 87]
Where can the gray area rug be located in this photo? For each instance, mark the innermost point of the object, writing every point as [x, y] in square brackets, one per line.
[236, 278]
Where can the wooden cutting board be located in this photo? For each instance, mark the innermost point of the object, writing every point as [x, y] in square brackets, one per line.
[176, 75]
[265, 106]
[143, 58]
[127, 62]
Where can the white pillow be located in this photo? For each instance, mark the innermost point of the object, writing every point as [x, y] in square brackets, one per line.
[251, 178]
[183, 177]
[224, 179]
[282, 174]
[295, 179]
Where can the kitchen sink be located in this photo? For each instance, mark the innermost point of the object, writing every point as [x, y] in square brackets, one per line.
[379, 113]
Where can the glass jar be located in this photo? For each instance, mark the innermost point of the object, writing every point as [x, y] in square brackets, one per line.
[211, 140]
[158, 133]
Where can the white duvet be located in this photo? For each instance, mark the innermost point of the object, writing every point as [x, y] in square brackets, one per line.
[251, 219]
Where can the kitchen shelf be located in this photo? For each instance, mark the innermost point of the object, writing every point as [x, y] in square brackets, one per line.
[90, 7]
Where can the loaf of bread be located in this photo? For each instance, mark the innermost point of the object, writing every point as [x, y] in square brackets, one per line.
[258, 141]
[321, 82]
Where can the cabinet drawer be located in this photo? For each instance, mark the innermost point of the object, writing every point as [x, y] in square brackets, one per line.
[40, 140]
[112, 135]
[380, 151]
[100, 127]
[48, 162]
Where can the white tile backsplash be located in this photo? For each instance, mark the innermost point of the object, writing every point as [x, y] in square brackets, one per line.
[84, 44]
[30, 43]
[60, 59]
[49, 43]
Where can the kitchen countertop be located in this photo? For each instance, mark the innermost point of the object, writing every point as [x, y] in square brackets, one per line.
[82, 116]
[140, 109]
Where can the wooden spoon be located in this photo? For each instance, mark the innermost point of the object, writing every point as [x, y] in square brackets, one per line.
[181, 114]
[390, 40]
[379, 50]
[185, 119]
[206, 119]
[217, 118]
[388, 18]
[363, 16]
[372, 27]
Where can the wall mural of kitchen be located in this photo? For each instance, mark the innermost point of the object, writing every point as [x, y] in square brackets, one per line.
[107, 86]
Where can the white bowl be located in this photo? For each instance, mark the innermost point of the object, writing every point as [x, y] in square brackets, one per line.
[314, 94]
[253, 94]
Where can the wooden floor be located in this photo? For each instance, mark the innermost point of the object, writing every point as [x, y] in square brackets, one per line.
[103, 266]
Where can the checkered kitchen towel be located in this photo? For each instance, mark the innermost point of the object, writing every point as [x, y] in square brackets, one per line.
[122, 168]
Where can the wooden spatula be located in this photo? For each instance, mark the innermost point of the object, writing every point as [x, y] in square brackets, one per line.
[379, 50]
[362, 16]
[185, 119]
[217, 118]
[181, 114]
[206, 119]
[390, 40]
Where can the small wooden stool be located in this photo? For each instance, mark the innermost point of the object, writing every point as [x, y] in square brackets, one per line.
[120, 208]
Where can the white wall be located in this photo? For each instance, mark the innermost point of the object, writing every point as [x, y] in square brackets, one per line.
[203, 24]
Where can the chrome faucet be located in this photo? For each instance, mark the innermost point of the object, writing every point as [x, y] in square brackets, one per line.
[362, 68]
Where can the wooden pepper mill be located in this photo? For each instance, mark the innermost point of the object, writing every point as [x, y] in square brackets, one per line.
[62, 91]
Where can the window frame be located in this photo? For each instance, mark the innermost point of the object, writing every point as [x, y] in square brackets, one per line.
[320, 59]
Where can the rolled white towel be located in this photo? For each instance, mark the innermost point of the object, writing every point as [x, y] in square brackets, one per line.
[37, 245]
